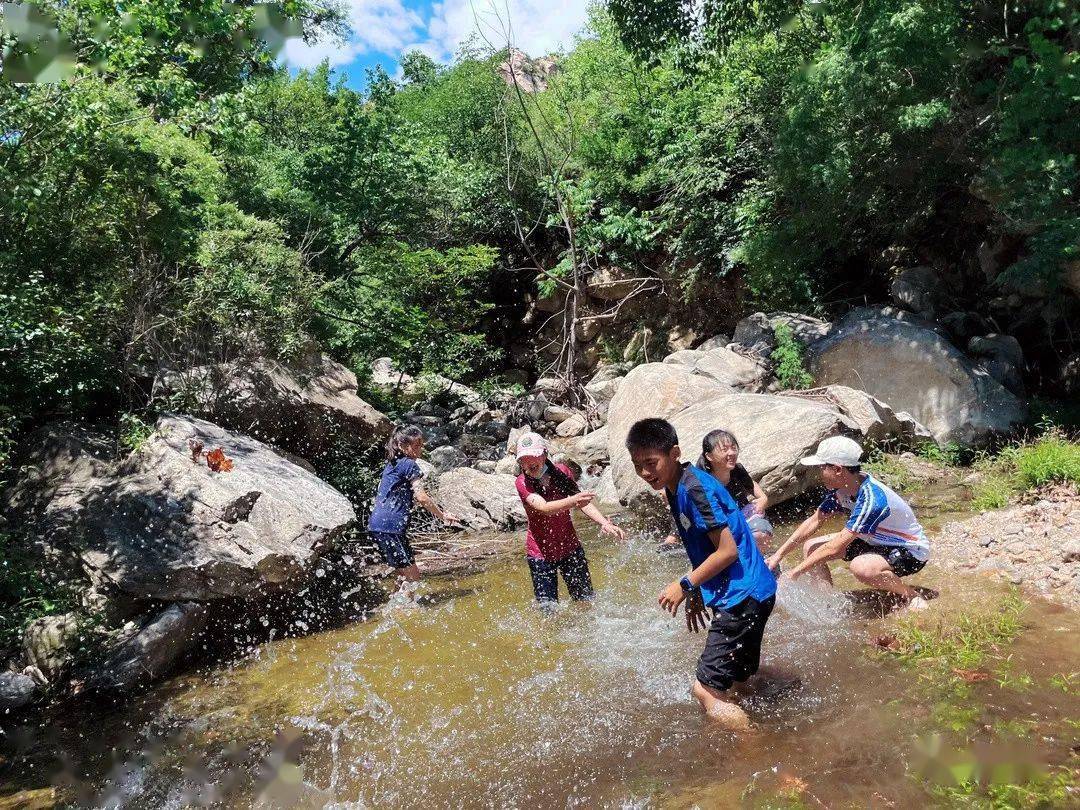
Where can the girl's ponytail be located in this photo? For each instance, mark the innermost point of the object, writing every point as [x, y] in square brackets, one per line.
[399, 438]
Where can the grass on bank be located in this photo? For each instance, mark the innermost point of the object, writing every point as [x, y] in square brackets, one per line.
[1056, 788]
[951, 654]
[940, 645]
[1053, 458]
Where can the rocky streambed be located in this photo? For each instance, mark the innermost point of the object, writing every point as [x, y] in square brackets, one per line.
[223, 508]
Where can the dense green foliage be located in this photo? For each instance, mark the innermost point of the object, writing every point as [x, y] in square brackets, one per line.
[180, 200]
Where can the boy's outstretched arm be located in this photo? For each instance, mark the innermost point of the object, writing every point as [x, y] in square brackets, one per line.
[805, 530]
[606, 526]
[832, 548]
[725, 554]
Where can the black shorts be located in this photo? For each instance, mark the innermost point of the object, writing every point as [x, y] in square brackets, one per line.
[395, 548]
[902, 562]
[575, 573]
[733, 648]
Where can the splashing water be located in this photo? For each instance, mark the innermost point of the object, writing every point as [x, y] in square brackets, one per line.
[465, 694]
[811, 606]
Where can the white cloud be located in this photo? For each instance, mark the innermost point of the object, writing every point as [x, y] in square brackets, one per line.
[536, 27]
[391, 28]
[378, 26]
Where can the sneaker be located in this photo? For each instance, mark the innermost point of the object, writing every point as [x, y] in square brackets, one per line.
[917, 603]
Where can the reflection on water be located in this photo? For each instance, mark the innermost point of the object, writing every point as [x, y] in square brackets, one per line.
[476, 698]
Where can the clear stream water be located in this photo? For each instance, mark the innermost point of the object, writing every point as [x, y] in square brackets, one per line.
[476, 699]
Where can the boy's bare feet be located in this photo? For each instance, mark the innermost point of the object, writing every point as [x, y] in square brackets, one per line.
[719, 709]
[917, 603]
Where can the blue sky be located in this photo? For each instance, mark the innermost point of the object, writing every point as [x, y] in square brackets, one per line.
[385, 29]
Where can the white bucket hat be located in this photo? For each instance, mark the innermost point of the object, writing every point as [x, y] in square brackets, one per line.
[838, 450]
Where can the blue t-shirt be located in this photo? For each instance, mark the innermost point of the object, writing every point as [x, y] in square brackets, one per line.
[701, 504]
[395, 497]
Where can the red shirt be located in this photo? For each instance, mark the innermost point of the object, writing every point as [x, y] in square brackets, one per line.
[550, 536]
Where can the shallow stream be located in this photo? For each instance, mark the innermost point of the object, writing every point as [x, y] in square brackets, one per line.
[477, 699]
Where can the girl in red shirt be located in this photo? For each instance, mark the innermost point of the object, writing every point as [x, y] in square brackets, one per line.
[550, 494]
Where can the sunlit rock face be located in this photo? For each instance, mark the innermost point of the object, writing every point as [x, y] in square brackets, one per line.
[483, 501]
[161, 524]
[530, 75]
[152, 647]
[310, 408]
[915, 369]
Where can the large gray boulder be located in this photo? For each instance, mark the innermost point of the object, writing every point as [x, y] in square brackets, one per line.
[310, 409]
[998, 347]
[755, 332]
[49, 642]
[774, 432]
[588, 449]
[447, 457]
[64, 463]
[610, 283]
[600, 390]
[724, 366]
[915, 369]
[574, 426]
[606, 492]
[652, 390]
[874, 419]
[385, 375]
[919, 289]
[164, 526]
[153, 648]
[715, 342]
[483, 501]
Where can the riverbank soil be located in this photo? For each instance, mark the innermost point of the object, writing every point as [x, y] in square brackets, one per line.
[1036, 545]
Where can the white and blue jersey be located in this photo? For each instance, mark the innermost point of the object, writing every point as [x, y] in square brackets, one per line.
[880, 517]
[701, 504]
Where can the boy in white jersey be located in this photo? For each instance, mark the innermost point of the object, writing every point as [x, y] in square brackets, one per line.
[882, 540]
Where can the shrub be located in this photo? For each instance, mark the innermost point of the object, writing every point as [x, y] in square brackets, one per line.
[134, 432]
[1052, 459]
[949, 454]
[788, 357]
[29, 589]
[889, 470]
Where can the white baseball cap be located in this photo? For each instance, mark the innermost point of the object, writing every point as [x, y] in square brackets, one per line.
[531, 444]
[838, 450]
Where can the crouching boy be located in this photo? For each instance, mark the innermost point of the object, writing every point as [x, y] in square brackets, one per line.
[729, 576]
[882, 539]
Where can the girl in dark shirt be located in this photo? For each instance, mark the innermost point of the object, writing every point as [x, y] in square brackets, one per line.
[720, 458]
[399, 485]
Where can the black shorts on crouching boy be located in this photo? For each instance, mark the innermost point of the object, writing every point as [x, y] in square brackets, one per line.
[733, 648]
[902, 562]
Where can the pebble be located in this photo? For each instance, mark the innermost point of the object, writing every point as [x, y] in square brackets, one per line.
[1036, 544]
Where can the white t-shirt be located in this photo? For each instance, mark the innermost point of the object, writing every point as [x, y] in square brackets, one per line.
[880, 517]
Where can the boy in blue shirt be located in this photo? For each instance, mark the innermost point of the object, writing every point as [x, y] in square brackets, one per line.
[729, 576]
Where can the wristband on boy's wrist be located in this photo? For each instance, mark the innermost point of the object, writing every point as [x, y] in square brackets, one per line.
[686, 585]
